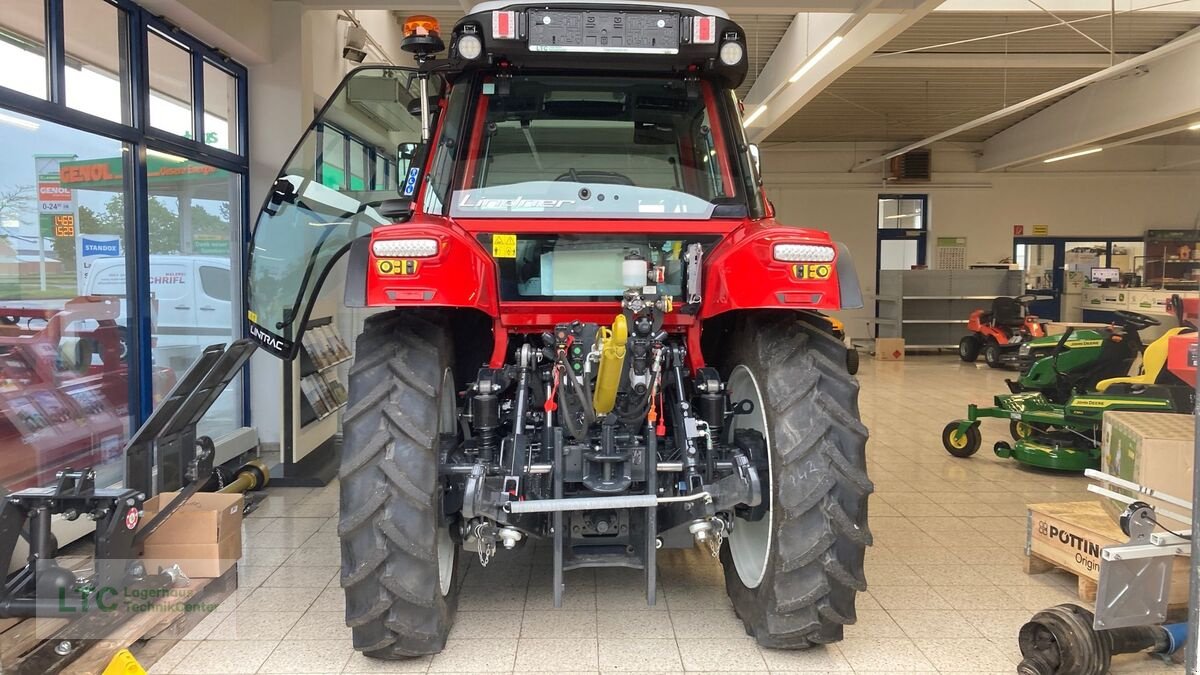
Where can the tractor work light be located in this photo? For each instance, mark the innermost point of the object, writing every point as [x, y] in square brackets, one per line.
[732, 53]
[470, 47]
[803, 253]
[404, 248]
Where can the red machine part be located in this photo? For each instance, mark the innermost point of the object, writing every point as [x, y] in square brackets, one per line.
[1181, 357]
[53, 415]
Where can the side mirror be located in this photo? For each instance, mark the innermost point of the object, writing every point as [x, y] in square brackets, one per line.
[405, 152]
[397, 210]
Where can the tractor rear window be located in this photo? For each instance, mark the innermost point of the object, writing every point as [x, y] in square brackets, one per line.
[597, 147]
[584, 267]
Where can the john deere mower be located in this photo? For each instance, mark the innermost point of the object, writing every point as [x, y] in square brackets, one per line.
[1066, 436]
[1061, 366]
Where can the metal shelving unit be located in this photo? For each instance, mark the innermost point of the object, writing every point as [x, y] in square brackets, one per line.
[930, 308]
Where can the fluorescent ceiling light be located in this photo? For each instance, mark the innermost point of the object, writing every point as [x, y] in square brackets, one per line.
[1194, 127]
[901, 215]
[758, 112]
[812, 60]
[1071, 155]
[165, 155]
[19, 122]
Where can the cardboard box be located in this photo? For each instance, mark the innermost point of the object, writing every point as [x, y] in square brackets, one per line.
[1151, 449]
[889, 349]
[204, 536]
[1071, 534]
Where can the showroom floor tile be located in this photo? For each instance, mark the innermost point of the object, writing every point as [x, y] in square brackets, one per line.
[947, 591]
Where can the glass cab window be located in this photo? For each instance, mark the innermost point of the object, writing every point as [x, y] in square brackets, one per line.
[597, 147]
[320, 202]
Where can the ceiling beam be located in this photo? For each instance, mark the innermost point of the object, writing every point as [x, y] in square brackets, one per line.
[1066, 6]
[1163, 91]
[749, 7]
[861, 34]
[1127, 66]
[978, 60]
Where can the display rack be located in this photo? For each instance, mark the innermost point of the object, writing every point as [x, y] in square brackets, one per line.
[312, 398]
[1172, 259]
[930, 308]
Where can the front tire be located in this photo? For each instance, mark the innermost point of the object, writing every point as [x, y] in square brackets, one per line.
[961, 444]
[399, 563]
[992, 355]
[968, 348]
[792, 576]
[852, 361]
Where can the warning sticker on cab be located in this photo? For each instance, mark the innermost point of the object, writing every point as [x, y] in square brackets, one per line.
[812, 270]
[504, 245]
[396, 267]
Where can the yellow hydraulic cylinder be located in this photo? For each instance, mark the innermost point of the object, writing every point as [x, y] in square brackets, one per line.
[612, 360]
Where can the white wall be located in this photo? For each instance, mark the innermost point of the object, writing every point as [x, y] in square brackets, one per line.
[814, 188]
[327, 37]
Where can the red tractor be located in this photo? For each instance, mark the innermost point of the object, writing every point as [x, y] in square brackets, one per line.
[589, 328]
[1000, 331]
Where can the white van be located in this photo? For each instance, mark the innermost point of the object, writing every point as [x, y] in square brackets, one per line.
[191, 297]
[191, 290]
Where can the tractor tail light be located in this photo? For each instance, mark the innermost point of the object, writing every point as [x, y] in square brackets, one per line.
[704, 30]
[803, 253]
[504, 25]
[404, 248]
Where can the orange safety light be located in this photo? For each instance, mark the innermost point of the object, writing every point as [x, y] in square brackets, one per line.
[421, 24]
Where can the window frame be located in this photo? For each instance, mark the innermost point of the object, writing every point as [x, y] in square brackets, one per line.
[137, 24]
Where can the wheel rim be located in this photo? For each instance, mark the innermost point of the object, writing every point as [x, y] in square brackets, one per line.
[447, 424]
[1023, 430]
[958, 440]
[750, 541]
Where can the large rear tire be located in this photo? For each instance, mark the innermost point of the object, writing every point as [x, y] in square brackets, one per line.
[793, 576]
[399, 563]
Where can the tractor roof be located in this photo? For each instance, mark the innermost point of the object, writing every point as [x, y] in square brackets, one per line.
[601, 4]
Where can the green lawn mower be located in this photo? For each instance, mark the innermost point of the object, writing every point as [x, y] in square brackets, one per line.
[1066, 436]
[1061, 366]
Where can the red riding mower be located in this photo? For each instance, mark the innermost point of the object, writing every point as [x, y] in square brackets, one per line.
[999, 332]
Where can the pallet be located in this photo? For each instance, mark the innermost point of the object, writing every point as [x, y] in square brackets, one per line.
[1085, 587]
[1069, 535]
[27, 646]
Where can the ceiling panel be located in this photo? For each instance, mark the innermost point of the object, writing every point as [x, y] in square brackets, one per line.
[903, 105]
[763, 33]
[1136, 32]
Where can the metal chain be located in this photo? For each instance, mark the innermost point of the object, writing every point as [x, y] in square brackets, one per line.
[718, 537]
[487, 548]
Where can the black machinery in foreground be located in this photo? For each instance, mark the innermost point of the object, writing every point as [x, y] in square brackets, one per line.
[43, 588]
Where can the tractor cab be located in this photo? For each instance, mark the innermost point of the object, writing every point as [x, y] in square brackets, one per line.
[543, 135]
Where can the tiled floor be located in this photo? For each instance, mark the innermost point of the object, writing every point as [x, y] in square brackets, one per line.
[947, 593]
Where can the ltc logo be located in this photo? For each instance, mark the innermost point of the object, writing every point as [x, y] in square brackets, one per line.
[1043, 528]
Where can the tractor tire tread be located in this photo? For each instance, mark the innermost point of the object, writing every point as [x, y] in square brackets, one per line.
[815, 568]
[389, 492]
